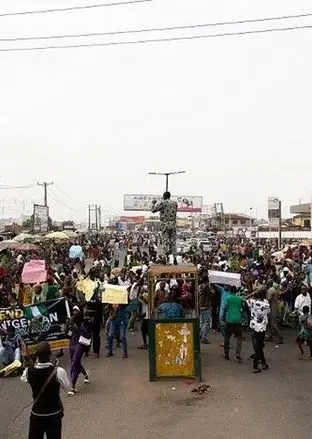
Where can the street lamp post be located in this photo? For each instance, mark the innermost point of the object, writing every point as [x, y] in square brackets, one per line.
[250, 219]
[166, 174]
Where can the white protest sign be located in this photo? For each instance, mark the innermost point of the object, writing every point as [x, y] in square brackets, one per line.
[114, 294]
[220, 277]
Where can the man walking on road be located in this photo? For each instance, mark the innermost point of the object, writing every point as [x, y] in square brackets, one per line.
[46, 381]
[273, 299]
[167, 209]
[205, 309]
[233, 317]
[259, 309]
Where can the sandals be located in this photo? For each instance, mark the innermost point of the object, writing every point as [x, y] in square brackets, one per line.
[72, 392]
[87, 377]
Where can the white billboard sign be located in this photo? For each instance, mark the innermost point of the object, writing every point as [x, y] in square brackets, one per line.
[273, 203]
[41, 218]
[274, 211]
[143, 202]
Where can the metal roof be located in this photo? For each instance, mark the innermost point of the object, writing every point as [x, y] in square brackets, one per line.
[301, 208]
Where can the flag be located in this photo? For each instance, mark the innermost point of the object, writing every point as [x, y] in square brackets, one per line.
[35, 311]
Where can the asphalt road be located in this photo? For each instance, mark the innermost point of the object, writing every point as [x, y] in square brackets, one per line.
[121, 403]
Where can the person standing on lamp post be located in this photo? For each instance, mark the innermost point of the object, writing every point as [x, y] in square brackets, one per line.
[167, 209]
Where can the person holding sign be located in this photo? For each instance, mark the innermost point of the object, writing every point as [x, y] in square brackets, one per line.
[118, 325]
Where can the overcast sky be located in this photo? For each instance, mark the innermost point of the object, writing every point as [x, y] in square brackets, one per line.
[234, 112]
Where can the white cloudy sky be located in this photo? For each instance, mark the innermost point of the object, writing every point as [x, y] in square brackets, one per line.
[233, 112]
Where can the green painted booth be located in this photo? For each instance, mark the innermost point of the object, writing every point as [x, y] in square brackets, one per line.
[174, 343]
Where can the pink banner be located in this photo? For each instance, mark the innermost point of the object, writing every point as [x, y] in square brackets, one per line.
[34, 272]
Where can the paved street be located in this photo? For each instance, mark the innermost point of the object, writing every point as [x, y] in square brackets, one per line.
[121, 403]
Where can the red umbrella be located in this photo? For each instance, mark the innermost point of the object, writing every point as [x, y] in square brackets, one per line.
[26, 247]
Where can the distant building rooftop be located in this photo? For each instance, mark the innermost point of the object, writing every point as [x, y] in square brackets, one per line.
[238, 216]
[301, 208]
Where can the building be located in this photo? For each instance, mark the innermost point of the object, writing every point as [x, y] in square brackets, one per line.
[302, 221]
[302, 214]
[238, 220]
[230, 221]
[301, 208]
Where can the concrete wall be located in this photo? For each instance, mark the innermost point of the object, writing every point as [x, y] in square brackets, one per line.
[285, 235]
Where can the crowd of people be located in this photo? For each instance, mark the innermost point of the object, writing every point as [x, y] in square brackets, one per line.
[273, 292]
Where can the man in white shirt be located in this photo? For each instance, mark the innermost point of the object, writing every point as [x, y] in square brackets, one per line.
[259, 310]
[284, 273]
[123, 280]
[304, 299]
[162, 284]
[46, 381]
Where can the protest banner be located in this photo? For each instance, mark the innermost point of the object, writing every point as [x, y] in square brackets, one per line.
[220, 277]
[35, 323]
[114, 294]
[87, 287]
[34, 272]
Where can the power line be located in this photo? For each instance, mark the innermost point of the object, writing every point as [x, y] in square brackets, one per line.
[4, 186]
[159, 29]
[72, 8]
[68, 196]
[57, 200]
[156, 40]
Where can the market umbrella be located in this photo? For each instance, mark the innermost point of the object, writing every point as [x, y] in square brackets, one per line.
[5, 244]
[38, 238]
[19, 246]
[23, 247]
[58, 236]
[22, 237]
[70, 233]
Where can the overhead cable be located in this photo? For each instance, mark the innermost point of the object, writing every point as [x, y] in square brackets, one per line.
[4, 186]
[57, 200]
[157, 29]
[155, 40]
[67, 196]
[72, 8]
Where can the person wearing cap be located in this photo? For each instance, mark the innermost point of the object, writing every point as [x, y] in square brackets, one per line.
[46, 380]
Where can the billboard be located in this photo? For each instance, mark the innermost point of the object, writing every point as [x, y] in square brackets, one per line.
[132, 219]
[143, 202]
[274, 211]
[41, 218]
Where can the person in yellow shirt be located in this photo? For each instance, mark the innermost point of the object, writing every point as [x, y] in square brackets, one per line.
[25, 294]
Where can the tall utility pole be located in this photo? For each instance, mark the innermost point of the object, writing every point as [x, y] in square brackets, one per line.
[250, 219]
[45, 185]
[94, 221]
[166, 174]
[99, 214]
[280, 225]
[311, 216]
[218, 208]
